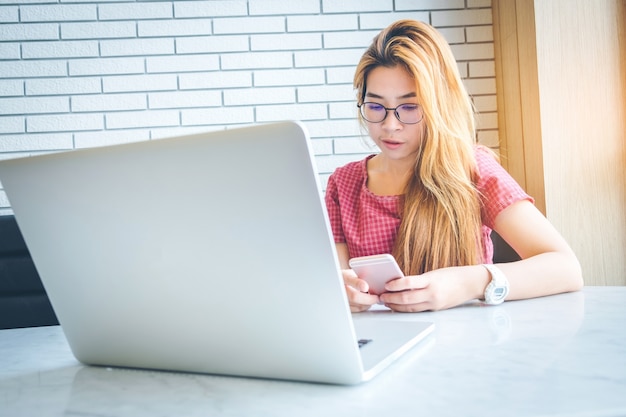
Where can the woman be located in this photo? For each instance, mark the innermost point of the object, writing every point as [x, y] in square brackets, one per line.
[432, 196]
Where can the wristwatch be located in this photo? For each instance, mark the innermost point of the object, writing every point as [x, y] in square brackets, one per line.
[498, 288]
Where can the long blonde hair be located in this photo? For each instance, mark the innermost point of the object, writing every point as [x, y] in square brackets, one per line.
[441, 221]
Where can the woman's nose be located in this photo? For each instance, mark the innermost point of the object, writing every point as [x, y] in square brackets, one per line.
[391, 122]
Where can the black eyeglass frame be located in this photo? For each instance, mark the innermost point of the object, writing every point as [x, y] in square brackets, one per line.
[387, 110]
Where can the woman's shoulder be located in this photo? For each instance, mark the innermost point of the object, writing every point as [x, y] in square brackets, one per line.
[498, 189]
[484, 154]
[352, 171]
[487, 162]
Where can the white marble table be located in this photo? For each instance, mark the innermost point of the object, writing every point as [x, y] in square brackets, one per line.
[563, 355]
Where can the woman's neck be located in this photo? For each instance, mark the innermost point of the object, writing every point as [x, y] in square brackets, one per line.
[388, 177]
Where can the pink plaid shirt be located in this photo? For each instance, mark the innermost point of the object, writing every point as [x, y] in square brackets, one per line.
[368, 223]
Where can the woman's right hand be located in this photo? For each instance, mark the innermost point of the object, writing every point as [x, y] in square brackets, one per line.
[356, 289]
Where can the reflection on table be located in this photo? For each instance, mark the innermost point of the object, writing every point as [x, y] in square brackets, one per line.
[562, 355]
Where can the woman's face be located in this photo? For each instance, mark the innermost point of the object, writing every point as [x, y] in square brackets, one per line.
[390, 88]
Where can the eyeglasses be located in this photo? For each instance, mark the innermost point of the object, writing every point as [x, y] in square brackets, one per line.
[406, 113]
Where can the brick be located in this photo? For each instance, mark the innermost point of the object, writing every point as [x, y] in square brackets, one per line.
[327, 57]
[147, 82]
[281, 7]
[285, 42]
[269, 78]
[463, 69]
[482, 69]
[217, 116]
[340, 75]
[212, 44]
[356, 39]
[453, 35]
[333, 128]
[106, 66]
[178, 27]
[27, 69]
[251, 96]
[108, 102]
[29, 32]
[135, 11]
[10, 51]
[462, 17]
[257, 60]
[98, 30]
[249, 25]
[478, 3]
[429, 4]
[474, 51]
[61, 12]
[64, 49]
[343, 110]
[125, 120]
[322, 23]
[487, 120]
[322, 146]
[291, 112]
[329, 163]
[357, 146]
[325, 94]
[487, 103]
[218, 80]
[140, 47]
[356, 6]
[57, 86]
[479, 86]
[184, 99]
[183, 63]
[480, 33]
[12, 124]
[36, 142]
[10, 88]
[379, 21]
[33, 105]
[488, 138]
[9, 14]
[106, 138]
[213, 8]
[64, 123]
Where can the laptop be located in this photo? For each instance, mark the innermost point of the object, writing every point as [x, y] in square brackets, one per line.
[208, 253]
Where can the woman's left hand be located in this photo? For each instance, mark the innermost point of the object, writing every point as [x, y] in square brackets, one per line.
[434, 290]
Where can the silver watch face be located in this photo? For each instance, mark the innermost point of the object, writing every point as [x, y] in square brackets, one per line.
[498, 293]
[495, 294]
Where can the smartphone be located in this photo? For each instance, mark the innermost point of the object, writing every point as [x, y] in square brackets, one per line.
[376, 270]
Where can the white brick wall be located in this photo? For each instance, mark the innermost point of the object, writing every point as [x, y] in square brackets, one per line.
[82, 73]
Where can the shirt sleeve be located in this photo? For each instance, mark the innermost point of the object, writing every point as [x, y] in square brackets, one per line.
[498, 190]
[331, 199]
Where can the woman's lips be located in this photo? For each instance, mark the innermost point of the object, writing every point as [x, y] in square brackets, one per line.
[391, 144]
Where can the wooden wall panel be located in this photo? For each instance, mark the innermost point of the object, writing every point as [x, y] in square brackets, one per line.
[572, 119]
[517, 92]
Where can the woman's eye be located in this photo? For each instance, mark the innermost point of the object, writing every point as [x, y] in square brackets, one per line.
[408, 107]
[374, 107]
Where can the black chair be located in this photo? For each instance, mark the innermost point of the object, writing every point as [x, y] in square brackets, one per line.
[23, 300]
[502, 252]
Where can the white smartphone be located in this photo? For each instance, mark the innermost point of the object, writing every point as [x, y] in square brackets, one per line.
[376, 270]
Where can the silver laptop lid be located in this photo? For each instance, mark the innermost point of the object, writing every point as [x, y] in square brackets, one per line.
[205, 253]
